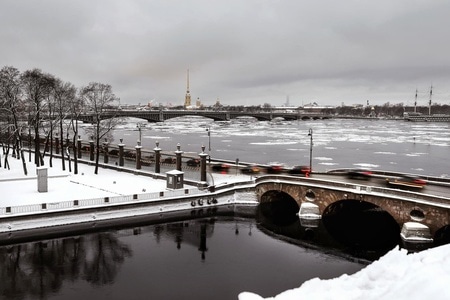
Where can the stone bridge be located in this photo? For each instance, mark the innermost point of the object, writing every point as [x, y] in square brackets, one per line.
[162, 115]
[321, 197]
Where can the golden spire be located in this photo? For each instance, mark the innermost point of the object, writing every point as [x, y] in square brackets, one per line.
[187, 100]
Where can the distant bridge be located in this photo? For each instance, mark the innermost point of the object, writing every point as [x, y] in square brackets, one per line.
[324, 196]
[162, 115]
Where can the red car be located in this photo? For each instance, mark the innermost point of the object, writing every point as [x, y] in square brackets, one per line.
[222, 168]
[302, 170]
[407, 181]
[274, 169]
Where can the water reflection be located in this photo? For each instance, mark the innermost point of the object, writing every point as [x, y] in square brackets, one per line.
[234, 247]
[39, 269]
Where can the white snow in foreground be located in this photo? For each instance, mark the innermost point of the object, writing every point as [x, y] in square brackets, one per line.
[396, 275]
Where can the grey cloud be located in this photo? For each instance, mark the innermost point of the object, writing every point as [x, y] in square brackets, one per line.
[242, 52]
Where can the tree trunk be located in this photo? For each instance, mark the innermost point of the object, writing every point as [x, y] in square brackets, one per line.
[25, 171]
[62, 145]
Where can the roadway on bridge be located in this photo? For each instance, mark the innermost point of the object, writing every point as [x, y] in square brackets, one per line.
[431, 188]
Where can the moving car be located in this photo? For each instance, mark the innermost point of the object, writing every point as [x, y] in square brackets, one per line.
[222, 168]
[274, 169]
[359, 174]
[252, 169]
[407, 181]
[300, 170]
[169, 160]
[193, 162]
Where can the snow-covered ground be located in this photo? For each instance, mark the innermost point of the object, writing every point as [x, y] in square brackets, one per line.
[424, 275]
[18, 189]
[396, 275]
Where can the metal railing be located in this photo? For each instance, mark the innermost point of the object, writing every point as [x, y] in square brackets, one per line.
[96, 202]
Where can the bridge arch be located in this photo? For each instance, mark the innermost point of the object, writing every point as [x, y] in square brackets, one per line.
[403, 206]
[361, 223]
[279, 206]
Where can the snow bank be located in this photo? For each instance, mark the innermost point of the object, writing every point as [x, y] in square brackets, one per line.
[396, 275]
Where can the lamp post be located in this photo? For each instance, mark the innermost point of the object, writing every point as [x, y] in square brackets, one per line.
[310, 134]
[209, 143]
[138, 125]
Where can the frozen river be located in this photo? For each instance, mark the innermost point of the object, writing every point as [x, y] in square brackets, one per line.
[390, 145]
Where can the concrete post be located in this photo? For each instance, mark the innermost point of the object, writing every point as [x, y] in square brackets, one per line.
[203, 157]
[178, 153]
[79, 155]
[57, 145]
[67, 146]
[105, 152]
[121, 162]
[42, 178]
[138, 155]
[91, 150]
[157, 158]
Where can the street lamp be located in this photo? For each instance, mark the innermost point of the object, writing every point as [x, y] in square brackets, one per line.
[138, 125]
[209, 142]
[310, 134]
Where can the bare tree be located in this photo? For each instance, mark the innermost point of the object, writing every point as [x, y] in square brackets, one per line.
[64, 93]
[98, 97]
[11, 108]
[36, 87]
[76, 107]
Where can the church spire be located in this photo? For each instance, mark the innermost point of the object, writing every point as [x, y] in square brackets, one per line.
[187, 99]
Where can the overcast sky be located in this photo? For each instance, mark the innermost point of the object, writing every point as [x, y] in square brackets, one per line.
[242, 52]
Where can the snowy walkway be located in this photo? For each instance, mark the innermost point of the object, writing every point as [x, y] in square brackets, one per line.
[18, 189]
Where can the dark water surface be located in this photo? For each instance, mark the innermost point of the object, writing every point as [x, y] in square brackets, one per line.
[206, 258]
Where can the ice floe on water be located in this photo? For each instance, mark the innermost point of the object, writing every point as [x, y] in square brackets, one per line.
[322, 158]
[366, 165]
[275, 142]
[297, 149]
[415, 154]
[156, 137]
[385, 152]
[328, 164]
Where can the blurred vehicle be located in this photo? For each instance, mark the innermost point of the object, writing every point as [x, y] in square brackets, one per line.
[252, 169]
[222, 168]
[407, 181]
[113, 152]
[194, 162]
[301, 170]
[359, 174]
[274, 169]
[169, 160]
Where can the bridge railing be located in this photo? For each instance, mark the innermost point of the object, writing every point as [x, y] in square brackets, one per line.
[78, 204]
[432, 179]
